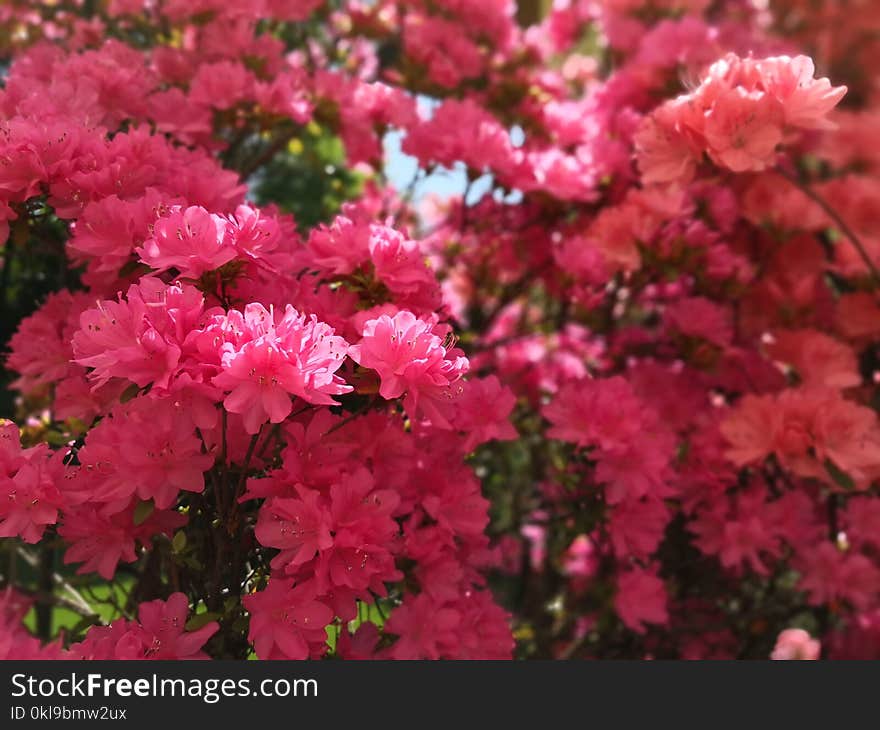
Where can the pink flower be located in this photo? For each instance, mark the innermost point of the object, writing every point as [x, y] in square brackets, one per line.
[439, 44]
[139, 338]
[828, 575]
[348, 536]
[29, 501]
[743, 129]
[637, 527]
[161, 452]
[273, 360]
[173, 114]
[410, 356]
[632, 447]
[462, 131]
[702, 318]
[99, 543]
[190, 240]
[805, 100]
[484, 628]
[425, 630]
[255, 234]
[806, 428]
[146, 447]
[40, 348]
[110, 229]
[602, 412]
[101, 540]
[614, 234]
[458, 506]
[481, 411]
[819, 359]
[581, 560]
[163, 630]
[640, 599]
[221, 85]
[160, 634]
[29, 497]
[740, 531]
[16, 642]
[796, 644]
[299, 527]
[400, 265]
[286, 621]
[665, 152]
[738, 115]
[341, 247]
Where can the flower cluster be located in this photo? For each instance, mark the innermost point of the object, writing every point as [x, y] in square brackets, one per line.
[615, 397]
[738, 116]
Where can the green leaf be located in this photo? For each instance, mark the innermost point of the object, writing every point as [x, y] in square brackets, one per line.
[55, 438]
[840, 477]
[143, 511]
[200, 619]
[179, 541]
[130, 392]
[132, 267]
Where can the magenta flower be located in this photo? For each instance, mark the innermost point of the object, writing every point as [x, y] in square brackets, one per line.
[295, 356]
[410, 357]
[190, 240]
[287, 622]
[640, 599]
[160, 634]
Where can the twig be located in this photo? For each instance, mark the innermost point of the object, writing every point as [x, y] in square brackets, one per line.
[348, 419]
[836, 218]
[266, 156]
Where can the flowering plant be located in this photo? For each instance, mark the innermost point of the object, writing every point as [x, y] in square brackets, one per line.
[614, 396]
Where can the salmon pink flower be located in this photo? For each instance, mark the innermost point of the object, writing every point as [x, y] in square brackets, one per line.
[796, 644]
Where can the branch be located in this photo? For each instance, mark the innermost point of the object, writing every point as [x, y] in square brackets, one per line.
[77, 597]
[50, 599]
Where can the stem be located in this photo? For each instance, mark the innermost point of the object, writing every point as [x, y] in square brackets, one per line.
[223, 437]
[244, 469]
[271, 437]
[8, 252]
[464, 206]
[833, 527]
[45, 585]
[229, 155]
[836, 218]
[377, 602]
[12, 578]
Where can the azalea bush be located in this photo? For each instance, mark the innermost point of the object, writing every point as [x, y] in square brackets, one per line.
[607, 390]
